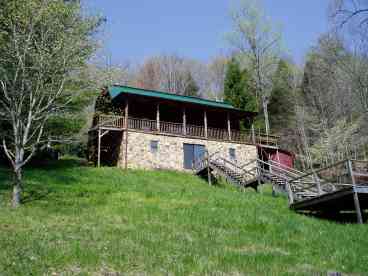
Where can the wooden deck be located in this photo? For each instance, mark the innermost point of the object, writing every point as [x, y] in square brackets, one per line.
[342, 200]
[342, 186]
[111, 122]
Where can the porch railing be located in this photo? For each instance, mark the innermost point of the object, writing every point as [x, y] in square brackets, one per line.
[109, 121]
[118, 122]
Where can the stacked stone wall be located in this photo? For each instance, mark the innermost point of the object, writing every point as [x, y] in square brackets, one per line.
[170, 152]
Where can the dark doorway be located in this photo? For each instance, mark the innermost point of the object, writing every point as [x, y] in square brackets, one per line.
[192, 152]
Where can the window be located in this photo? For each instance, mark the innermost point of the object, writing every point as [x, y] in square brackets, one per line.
[154, 146]
[232, 154]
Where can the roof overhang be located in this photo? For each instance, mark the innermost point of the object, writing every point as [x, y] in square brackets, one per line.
[117, 92]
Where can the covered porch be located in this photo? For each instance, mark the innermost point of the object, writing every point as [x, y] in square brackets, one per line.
[182, 119]
[167, 114]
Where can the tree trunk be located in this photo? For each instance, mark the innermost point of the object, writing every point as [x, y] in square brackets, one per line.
[17, 188]
[265, 112]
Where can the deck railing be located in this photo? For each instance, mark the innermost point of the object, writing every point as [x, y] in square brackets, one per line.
[109, 121]
[142, 124]
[171, 128]
[118, 122]
[195, 131]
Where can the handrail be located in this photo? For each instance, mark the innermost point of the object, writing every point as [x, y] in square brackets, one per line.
[237, 166]
[202, 159]
[286, 167]
[108, 120]
[277, 167]
[358, 161]
[278, 175]
[319, 170]
[250, 162]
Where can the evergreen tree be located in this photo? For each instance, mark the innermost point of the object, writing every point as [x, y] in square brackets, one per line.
[238, 88]
[281, 100]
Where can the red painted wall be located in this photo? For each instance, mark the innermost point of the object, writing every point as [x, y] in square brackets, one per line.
[283, 158]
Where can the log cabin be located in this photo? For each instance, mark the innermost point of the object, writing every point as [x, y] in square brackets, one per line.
[147, 129]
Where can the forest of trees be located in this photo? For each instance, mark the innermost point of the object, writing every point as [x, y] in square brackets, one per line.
[318, 108]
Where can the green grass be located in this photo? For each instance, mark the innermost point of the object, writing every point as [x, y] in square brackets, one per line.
[82, 221]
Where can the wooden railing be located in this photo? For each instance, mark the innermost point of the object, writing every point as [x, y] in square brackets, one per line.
[109, 121]
[171, 128]
[118, 122]
[195, 131]
[218, 134]
[239, 136]
[142, 124]
[338, 176]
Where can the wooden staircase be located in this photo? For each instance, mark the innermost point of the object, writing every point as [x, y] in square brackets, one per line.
[249, 175]
[315, 191]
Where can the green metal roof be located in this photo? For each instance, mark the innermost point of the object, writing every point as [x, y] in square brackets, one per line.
[118, 90]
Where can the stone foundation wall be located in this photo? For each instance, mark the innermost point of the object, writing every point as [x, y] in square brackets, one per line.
[170, 153]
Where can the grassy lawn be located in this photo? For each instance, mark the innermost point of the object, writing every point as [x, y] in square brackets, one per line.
[80, 221]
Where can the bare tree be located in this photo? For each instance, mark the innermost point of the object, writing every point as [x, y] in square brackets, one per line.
[38, 56]
[259, 46]
[346, 11]
[149, 74]
[173, 73]
[176, 74]
[217, 71]
[169, 73]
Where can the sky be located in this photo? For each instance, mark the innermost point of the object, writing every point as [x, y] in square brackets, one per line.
[138, 29]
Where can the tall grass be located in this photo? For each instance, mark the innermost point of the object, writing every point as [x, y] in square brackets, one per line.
[79, 221]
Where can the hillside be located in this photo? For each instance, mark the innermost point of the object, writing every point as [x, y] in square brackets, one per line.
[80, 220]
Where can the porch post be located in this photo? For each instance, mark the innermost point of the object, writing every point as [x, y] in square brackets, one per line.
[357, 207]
[184, 122]
[126, 133]
[205, 124]
[126, 111]
[158, 118]
[228, 126]
[253, 135]
[351, 172]
[318, 181]
[99, 148]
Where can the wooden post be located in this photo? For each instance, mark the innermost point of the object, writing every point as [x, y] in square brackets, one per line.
[100, 135]
[208, 169]
[258, 173]
[126, 133]
[259, 136]
[351, 172]
[158, 118]
[229, 126]
[253, 135]
[319, 188]
[99, 148]
[290, 192]
[273, 184]
[126, 110]
[184, 122]
[205, 125]
[357, 207]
